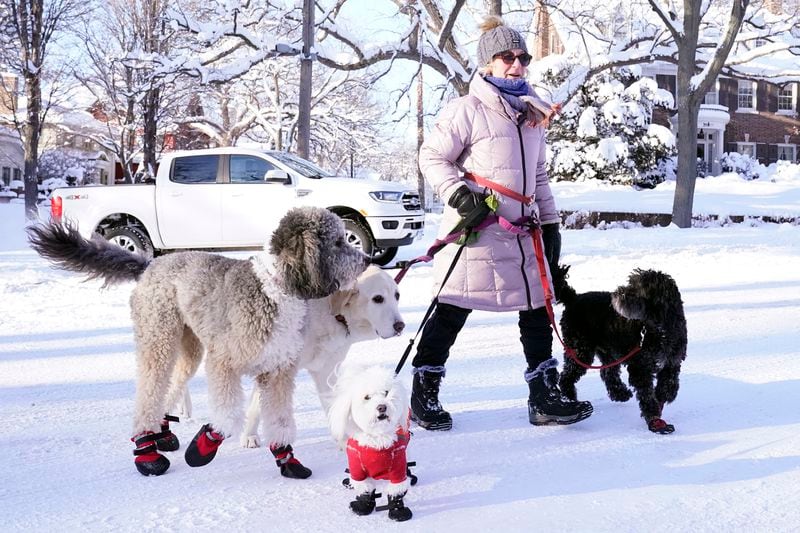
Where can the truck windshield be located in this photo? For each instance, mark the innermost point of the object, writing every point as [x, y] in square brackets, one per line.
[306, 168]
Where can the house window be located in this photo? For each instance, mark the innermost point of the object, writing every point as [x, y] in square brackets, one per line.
[17, 174]
[747, 95]
[712, 96]
[748, 149]
[787, 98]
[6, 176]
[786, 152]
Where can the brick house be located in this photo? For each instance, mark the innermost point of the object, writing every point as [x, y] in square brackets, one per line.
[759, 119]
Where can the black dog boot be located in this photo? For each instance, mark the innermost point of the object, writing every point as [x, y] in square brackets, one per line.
[364, 503]
[546, 404]
[397, 510]
[203, 447]
[147, 459]
[290, 467]
[170, 442]
[426, 410]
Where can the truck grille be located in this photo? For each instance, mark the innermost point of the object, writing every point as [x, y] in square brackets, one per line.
[411, 201]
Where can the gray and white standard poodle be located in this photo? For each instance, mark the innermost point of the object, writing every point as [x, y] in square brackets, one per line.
[648, 311]
[247, 315]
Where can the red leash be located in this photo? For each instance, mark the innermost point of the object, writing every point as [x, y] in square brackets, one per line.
[548, 301]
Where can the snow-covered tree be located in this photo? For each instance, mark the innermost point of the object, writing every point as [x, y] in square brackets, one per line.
[136, 94]
[29, 31]
[702, 38]
[605, 131]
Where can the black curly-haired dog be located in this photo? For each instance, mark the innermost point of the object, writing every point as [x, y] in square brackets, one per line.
[648, 310]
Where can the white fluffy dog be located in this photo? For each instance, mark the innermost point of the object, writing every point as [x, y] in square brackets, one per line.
[248, 316]
[367, 311]
[369, 416]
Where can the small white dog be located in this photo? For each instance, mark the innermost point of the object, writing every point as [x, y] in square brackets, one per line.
[370, 417]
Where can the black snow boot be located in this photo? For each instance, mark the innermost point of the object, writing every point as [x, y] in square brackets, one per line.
[426, 410]
[364, 503]
[397, 510]
[546, 404]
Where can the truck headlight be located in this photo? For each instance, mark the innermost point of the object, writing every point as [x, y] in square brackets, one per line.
[386, 196]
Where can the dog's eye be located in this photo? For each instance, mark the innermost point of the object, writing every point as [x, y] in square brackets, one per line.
[367, 397]
[339, 242]
[377, 299]
[397, 296]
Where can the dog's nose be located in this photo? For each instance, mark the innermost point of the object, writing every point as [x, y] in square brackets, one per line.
[381, 408]
[399, 326]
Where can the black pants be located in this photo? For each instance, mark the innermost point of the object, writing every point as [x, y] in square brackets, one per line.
[441, 330]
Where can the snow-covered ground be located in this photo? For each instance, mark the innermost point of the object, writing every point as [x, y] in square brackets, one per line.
[733, 464]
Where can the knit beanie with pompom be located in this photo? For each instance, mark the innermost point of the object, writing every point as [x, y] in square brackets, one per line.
[496, 38]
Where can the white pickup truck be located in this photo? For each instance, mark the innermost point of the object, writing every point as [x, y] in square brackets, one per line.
[232, 199]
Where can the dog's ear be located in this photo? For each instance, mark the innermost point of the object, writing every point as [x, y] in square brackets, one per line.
[341, 299]
[340, 419]
[296, 247]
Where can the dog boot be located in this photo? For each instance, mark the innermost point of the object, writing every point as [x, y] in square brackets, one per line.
[658, 425]
[148, 461]
[426, 410]
[364, 503]
[169, 442]
[203, 447]
[546, 404]
[290, 467]
[397, 510]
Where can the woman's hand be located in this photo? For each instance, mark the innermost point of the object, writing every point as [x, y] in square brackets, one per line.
[470, 205]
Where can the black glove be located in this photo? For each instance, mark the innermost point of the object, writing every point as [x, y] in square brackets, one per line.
[470, 205]
[552, 245]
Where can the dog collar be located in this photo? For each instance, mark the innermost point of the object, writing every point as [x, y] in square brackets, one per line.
[343, 321]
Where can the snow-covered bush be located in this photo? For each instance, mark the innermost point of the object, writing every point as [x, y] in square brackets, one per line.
[605, 131]
[746, 166]
[74, 170]
[47, 186]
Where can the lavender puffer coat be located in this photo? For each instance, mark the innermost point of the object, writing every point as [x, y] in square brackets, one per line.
[480, 133]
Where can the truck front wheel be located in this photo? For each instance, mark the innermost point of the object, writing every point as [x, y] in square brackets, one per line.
[357, 237]
[384, 256]
[132, 239]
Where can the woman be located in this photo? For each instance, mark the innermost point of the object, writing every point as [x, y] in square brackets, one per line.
[495, 132]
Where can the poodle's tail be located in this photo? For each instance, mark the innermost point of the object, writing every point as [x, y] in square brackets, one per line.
[563, 292]
[64, 246]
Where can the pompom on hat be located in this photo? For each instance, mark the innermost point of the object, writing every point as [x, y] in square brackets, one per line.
[496, 38]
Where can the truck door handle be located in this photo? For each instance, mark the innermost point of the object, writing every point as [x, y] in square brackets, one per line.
[175, 194]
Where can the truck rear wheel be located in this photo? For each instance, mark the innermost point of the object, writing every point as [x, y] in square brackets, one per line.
[132, 239]
[357, 236]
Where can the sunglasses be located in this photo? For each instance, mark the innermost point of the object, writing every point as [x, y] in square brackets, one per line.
[509, 57]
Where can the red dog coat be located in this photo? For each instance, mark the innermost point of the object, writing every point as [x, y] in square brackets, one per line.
[387, 463]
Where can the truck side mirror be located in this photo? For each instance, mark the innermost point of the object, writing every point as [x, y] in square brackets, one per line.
[277, 176]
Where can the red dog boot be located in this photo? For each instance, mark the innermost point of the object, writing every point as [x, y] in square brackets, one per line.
[170, 442]
[290, 467]
[204, 446]
[148, 461]
[658, 425]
